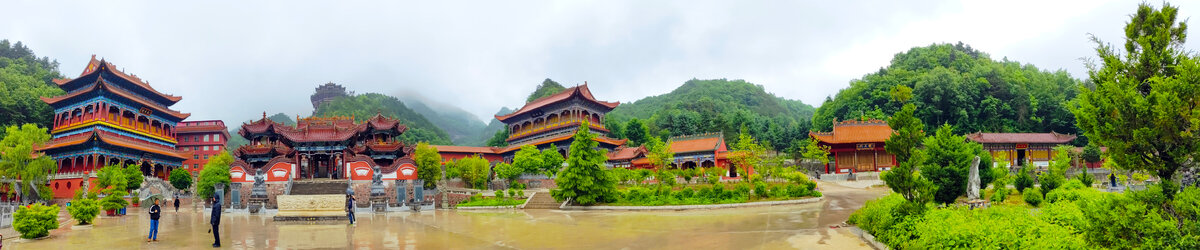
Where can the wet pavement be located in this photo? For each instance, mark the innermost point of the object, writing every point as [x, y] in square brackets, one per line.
[805, 226]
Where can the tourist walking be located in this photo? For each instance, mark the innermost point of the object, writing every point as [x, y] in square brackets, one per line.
[155, 211]
[350, 207]
[176, 203]
[216, 220]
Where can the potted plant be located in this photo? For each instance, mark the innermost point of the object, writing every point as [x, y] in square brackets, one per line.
[113, 202]
[133, 199]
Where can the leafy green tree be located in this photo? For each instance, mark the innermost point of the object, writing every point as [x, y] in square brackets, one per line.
[181, 179]
[552, 160]
[84, 210]
[637, 132]
[17, 159]
[112, 177]
[1142, 104]
[24, 78]
[948, 162]
[508, 172]
[904, 144]
[814, 150]
[114, 200]
[746, 153]
[547, 88]
[659, 153]
[35, 221]
[528, 159]
[585, 180]
[500, 139]
[1023, 179]
[215, 171]
[133, 177]
[1091, 153]
[429, 164]
[473, 171]
[1056, 174]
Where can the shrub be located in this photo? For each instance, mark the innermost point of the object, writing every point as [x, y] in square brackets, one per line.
[35, 221]
[878, 216]
[84, 210]
[1032, 196]
[521, 193]
[1085, 178]
[114, 200]
[998, 227]
[1023, 180]
[760, 190]
[742, 190]
[718, 193]
[512, 193]
[499, 194]
[1000, 194]
[181, 179]
[1064, 214]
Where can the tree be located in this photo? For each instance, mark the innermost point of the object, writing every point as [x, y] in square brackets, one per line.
[1091, 153]
[500, 139]
[112, 178]
[133, 177]
[585, 180]
[215, 171]
[659, 153]
[429, 164]
[508, 172]
[551, 160]
[947, 164]
[24, 78]
[1144, 105]
[637, 132]
[814, 150]
[473, 171]
[746, 153]
[528, 159]
[17, 159]
[907, 136]
[181, 179]
[84, 209]
[1023, 179]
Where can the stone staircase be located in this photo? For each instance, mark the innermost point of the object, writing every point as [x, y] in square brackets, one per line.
[542, 200]
[318, 187]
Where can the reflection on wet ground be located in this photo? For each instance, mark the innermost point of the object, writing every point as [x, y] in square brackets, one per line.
[776, 227]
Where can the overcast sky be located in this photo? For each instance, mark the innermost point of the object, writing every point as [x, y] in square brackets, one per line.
[235, 60]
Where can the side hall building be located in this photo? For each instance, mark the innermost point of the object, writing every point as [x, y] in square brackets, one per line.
[857, 146]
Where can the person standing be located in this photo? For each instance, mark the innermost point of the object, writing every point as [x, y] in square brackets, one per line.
[350, 207]
[155, 212]
[216, 220]
[176, 203]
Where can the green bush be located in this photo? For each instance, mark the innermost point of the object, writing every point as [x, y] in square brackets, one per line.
[1000, 194]
[490, 202]
[499, 194]
[521, 193]
[512, 193]
[760, 190]
[1065, 214]
[84, 210]
[1085, 178]
[998, 227]
[35, 221]
[1033, 196]
[1023, 180]
[878, 216]
[114, 200]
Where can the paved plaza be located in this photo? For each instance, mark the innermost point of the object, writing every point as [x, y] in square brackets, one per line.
[804, 226]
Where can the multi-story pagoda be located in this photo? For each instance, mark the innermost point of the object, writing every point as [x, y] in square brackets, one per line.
[327, 148]
[109, 117]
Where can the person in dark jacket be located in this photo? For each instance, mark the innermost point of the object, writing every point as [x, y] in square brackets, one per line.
[177, 203]
[155, 212]
[350, 207]
[216, 221]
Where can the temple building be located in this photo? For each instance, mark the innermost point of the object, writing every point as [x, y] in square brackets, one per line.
[323, 148]
[203, 139]
[109, 117]
[857, 146]
[326, 93]
[1022, 148]
[545, 122]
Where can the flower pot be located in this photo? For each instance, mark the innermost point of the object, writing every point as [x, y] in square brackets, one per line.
[110, 212]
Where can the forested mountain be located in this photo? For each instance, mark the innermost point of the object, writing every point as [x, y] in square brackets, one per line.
[462, 127]
[23, 78]
[960, 86]
[364, 106]
[719, 105]
[547, 88]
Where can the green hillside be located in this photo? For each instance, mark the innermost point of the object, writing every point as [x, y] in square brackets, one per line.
[718, 105]
[23, 78]
[462, 127]
[957, 85]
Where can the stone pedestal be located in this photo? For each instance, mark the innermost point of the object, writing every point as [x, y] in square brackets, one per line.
[311, 207]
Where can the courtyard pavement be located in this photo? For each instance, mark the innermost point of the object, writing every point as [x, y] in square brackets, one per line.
[806, 226]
